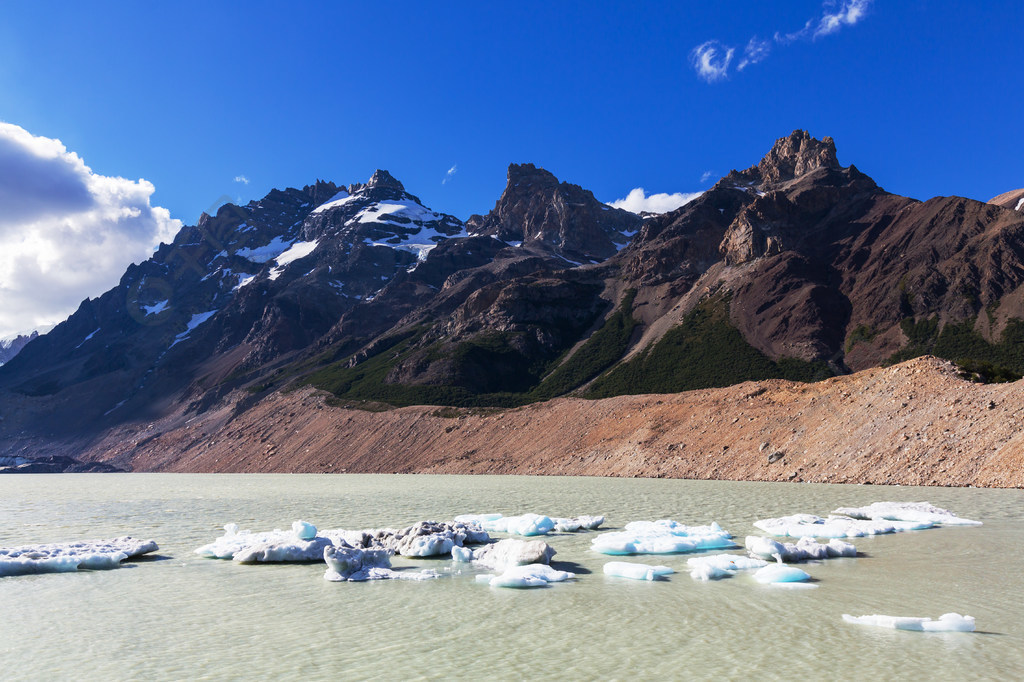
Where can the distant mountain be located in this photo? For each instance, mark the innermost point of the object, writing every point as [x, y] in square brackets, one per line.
[1013, 199]
[12, 346]
[797, 267]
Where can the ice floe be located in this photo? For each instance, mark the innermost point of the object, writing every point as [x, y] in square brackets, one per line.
[810, 526]
[718, 566]
[780, 573]
[509, 553]
[531, 575]
[71, 556]
[531, 524]
[662, 537]
[349, 564]
[806, 549]
[916, 512]
[305, 543]
[626, 569]
[948, 622]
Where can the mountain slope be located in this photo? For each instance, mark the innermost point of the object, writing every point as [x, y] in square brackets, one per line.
[796, 268]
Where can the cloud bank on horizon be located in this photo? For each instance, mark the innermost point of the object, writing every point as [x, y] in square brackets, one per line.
[65, 232]
[712, 59]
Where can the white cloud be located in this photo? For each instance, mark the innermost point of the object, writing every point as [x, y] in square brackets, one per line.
[637, 200]
[242, 179]
[850, 12]
[706, 175]
[711, 60]
[450, 174]
[757, 50]
[66, 233]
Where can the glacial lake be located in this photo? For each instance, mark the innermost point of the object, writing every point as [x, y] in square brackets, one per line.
[180, 616]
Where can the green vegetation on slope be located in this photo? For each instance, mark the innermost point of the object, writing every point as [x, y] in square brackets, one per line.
[979, 359]
[598, 353]
[704, 351]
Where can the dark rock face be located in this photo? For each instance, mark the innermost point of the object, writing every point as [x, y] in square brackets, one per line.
[537, 210]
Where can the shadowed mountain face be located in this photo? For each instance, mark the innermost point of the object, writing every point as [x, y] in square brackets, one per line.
[797, 267]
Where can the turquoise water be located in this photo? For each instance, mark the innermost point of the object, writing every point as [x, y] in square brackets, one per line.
[180, 616]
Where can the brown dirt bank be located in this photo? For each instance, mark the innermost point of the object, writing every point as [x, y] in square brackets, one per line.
[914, 424]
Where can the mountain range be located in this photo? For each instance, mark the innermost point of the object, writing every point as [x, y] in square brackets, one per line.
[796, 268]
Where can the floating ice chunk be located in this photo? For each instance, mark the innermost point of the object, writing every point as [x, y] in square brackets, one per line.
[577, 523]
[662, 537]
[920, 512]
[462, 554]
[780, 573]
[71, 556]
[510, 552]
[430, 538]
[359, 565]
[427, 545]
[276, 546]
[808, 525]
[718, 566]
[805, 549]
[303, 530]
[531, 524]
[526, 524]
[532, 575]
[948, 622]
[284, 550]
[625, 569]
[478, 519]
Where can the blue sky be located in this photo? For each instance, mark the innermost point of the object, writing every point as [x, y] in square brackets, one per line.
[926, 97]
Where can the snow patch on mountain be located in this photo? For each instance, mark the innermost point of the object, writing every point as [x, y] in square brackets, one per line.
[196, 320]
[339, 199]
[296, 251]
[267, 252]
[157, 307]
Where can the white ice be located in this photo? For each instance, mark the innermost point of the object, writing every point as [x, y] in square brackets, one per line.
[304, 530]
[780, 573]
[347, 564]
[662, 537]
[462, 554]
[810, 526]
[531, 575]
[577, 523]
[71, 556]
[805, 549]
[274, 546]
[913, 512]
[626, 569]
[510, 552]
[532, 524]
[718, 566]
[948, 622]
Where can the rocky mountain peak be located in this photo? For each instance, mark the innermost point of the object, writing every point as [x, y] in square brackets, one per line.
[320, 191]
[796, 155]
[526, 177]
[537, 210]
[381, 179]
